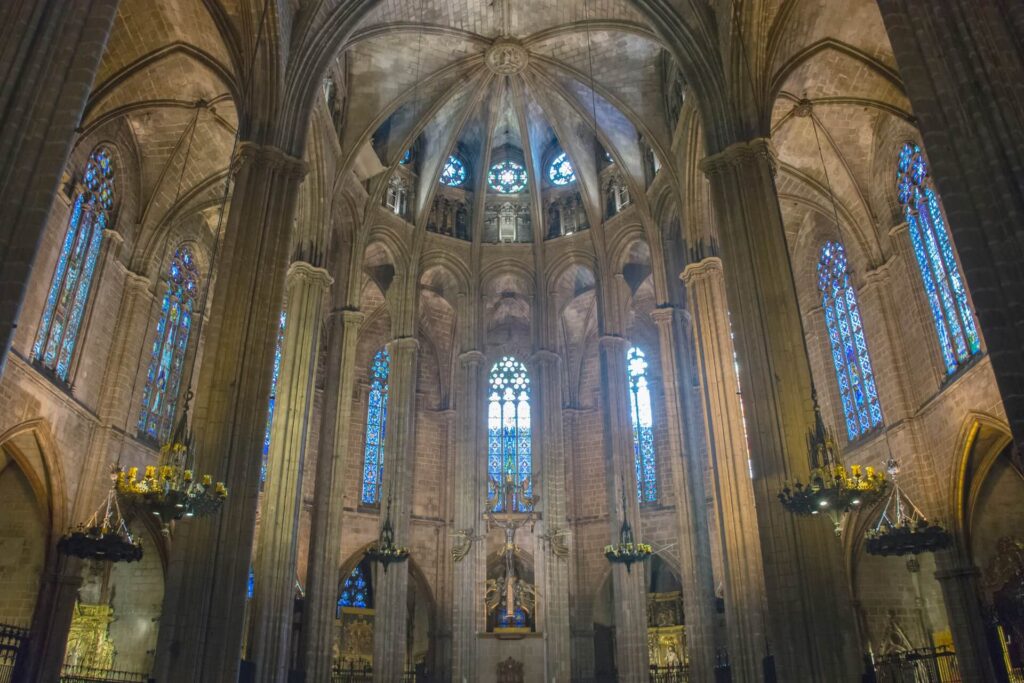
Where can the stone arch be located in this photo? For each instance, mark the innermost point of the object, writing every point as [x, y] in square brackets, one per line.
[980, 442]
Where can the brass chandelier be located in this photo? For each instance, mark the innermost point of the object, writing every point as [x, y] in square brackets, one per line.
[385, 551]
[628, 550]
[902, 529]
[105, 537]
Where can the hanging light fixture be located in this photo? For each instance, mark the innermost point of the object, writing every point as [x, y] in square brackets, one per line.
[385, 551]
[832, 489]
[628, 550]
[105, 537]
[902, 529]
[170, 490]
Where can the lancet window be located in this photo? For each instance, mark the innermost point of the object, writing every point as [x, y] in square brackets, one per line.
[275, 373]
[849, 348]
[643, 427]
[170, 346]
[376, 426]
[509, 445]
[76, 264]
[357, 589]
[940, 273]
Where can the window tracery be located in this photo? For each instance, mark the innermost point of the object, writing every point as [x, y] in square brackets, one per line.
[507, 177]
[850, 358]
[642, 416]
[76, 264]
[396, 196]
[940, 273]
[561, 172]
[167, 361]
[454, 172]
[509, 445]
[376, 427]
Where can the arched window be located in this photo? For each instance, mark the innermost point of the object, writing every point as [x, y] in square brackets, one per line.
[849, 349]
[940, 273]
[76, 263]
[163, 381]
[357, 589]
[454, 172]
[376, 425]
[509, 449]
[643, 427]
[273, 394]
[561, 171]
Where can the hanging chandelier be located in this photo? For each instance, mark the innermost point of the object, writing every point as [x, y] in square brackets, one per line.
[105, 537]
[832, 489]
[902, 528]
[169, 490]
[628, 550]
[384, 550]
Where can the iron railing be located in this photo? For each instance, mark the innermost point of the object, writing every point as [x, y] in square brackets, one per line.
[678, 673]
[351, 672]
[925, 665]
[13, 641]
[85, 674]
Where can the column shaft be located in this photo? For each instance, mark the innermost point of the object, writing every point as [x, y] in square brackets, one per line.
[466, 599]
[959, 581]
[204, 604]
[391, 614]
[815, 637]
[698, 581]
[629, 589]
[728, 461]
[49, 56]
[328, 505]
[276, 551]
[554, 525]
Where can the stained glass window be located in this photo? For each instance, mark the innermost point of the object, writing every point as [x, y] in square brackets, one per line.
[643, 427]
[849, 348]
[561, 171]
[273, 394]
[509, 449]
[454, 172]
[167, 362]
[357, 591]
[376, 424]
[507, 177]
[940, 273]
[250, 584]
[406, 158]
[76, 264]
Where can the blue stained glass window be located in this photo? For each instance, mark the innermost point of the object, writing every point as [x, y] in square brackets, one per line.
[376, 424]
[356, 591]
[454, 172]
[849, 348]
[507, 177]
[170, 345]
[940, 273]
[76, 264]
[643, 427]
[509, 446]
[273, 394]
[406, 158]
[250, 585]
[561, 171]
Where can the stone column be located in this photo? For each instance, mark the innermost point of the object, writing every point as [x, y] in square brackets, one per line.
[204, 604]
[813, 632]
[743, 571]
[328, 505]
[964, 74]
[548, 387]
[629, 589]
[958, 578]
[389, 626]
[276, 551]
[469, 468]
[49, 56]
[698, 581]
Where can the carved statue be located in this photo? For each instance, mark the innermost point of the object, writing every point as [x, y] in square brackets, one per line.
[510, 671]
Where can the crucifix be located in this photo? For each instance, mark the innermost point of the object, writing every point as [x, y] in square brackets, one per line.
[510, 506]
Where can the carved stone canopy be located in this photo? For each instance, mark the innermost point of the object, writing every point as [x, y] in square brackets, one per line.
[507, 57]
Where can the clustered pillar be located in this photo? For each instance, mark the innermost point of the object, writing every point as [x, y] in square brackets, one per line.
[815, 635]
[728, 463]
[277, 548]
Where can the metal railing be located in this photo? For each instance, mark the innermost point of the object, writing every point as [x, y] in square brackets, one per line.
[926, 665]
[678, 673]
[351, 672]
[85, 674]
[13, 641]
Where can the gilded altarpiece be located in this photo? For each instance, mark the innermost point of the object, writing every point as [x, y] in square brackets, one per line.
[666, 635]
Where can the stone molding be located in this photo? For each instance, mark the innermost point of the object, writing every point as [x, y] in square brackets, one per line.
[545, 357]
[271, 157]
[404, 344]
[472, 357]
[664, 314]
[701, 269]
[308, 273]
[740, 153]
[613, 341]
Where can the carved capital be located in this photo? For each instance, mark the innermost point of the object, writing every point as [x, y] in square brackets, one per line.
[403, 344]
[739, 154]
[307, 273]
[471, 358]
[545, 357]
[613, 342]
[664, 315]
[271, 158]
[711, 265]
